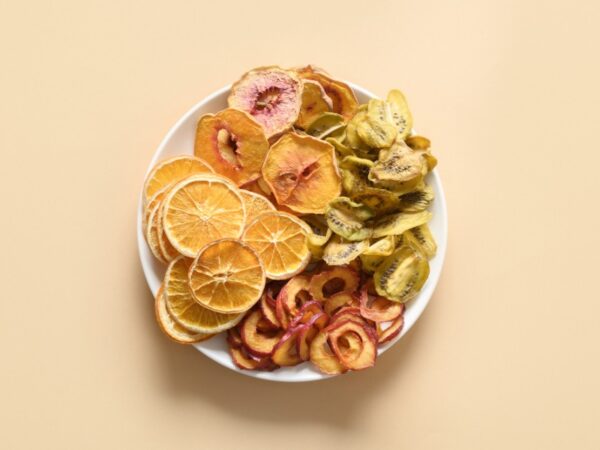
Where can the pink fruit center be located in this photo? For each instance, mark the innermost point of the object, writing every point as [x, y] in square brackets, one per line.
[267, 99]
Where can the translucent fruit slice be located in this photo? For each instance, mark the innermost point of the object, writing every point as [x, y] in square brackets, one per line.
[202, 209]
[302, 173]
[281, 242]
[271, 95]
[171, 171]
[255, 204]
[314, 102]
[227, 276]
[171, 328]
[233, 143]
[184, 309]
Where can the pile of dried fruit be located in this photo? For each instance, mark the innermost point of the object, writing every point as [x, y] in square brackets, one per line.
[299, 226]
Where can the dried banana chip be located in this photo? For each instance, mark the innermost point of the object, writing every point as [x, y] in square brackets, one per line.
[339, 251]
[399, 223]
[402, 274]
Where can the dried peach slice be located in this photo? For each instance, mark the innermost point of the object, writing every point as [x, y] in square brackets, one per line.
[302, 173]
[255, 204]
[314, 102]
[271, 95]
[227, 276]
[342, 95]
[233, 143]
[280, 239]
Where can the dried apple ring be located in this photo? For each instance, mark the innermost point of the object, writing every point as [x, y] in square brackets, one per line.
[333, 281]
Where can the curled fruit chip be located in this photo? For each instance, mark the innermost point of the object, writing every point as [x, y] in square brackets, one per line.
[377, 308]
[267, 306]
[271, 95]
[421, 236]
[314, 103]
[322, 356]
[418, 142]
[320, 232]
[377, 131]
[341, 149]
[342, 95]
[380, 201]
[402, 274]
[347, 219]
[417, 200]
[370, 263]
[339, 252]
[302, 173]
[306, 313]
[328, 125]
[285, 352]
[353, 344]
[332, 281]
[337, 301]
[259, 342]
[353, 139]
[308, 331]
[382, 247]
[291, 297]
[391, 331]
[395, 224]
[398, 168]
[233, 143]
[400, 114]
[246, 361]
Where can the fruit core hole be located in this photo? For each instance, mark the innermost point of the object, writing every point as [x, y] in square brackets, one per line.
[267, 98]
[333, 286]
[228, 146]
[308, 170]
[301, 298]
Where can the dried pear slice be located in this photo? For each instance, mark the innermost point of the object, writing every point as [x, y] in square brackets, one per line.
[326, 125]
[401, 275]
[343, 97]
[273, 96]
[400, 114]
[347, 220]
[423, 238]
[314, 102]
[418, 200]
[339, 251]
[302, 173]
[398, 167]
[233, 143]
[398, 223]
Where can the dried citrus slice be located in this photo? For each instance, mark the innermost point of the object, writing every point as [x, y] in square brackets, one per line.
[255, 204]
[173, 170]
[302, 173]
[171, 328]
[156, 199]
[227, 276]
[184, 309]
[280, 240]
[166, 248]
[202, 209]
[233, 143]
[151, 234]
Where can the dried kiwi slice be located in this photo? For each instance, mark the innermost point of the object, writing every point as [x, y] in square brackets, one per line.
[402, 274]
[338, 251]
[400, 114]
[328, 125]
[398, 223]
[341, 149]
[381, 201]
[397, 168]
[347, 219]
[355, 173]
[418, 200]
[378, 130]
[382, 247]
[422, 238]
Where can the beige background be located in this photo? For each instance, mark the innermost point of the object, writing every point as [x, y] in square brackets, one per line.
[506, 355]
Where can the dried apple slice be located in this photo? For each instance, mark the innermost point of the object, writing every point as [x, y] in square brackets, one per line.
[322, 356]
[233, 143]
[306, 313]
[259, 342]
[377, 308]
[337, 301]
[333, 281]
[314, 103]
[308, 331]
[285, 352]
[342, 95]
[244, 360]
[268, 309]
[302, 173]
[271, 95]
[353, 344]
[293, 295]
[391, 331]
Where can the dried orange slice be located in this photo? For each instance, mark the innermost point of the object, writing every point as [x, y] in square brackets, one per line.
[155, 200]
[151, 234]
[170, 171]
[184, 309]
[255, 204]
[227, 276]
[202, 209]
[171, 328]
[280, 239]
[166, 248]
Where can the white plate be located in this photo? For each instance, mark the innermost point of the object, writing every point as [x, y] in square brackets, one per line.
[180, 140]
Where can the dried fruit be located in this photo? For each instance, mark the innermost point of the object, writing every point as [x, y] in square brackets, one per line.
[377, 130]
[260, 343]
[398, 168]
[391, 331]
[342, 95]
[285, 352]
[347, 219]
[377, 308]
[323, 357]
[308, 332]
[337, 301]
[227, 276]
[401, 275]
[400, 114]
[328, 125]
[380, 201]
[314, 103]
[353, 344]
[417, 200]
[291, 297]
[302, 173]
[395, 224]
[271, 95]
[339, 252]
[151, 234]
[255, 204]
[422, 238]
[233, 143]
[281, 242]
[169, 172]
[183, 307]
